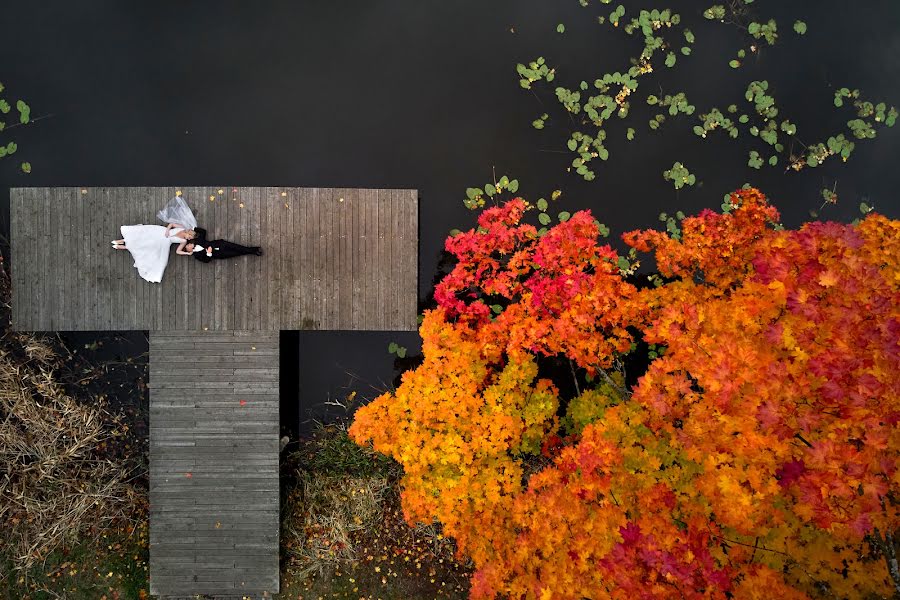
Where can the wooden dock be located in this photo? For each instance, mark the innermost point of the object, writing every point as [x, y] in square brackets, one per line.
[214, 498]
[334, 259]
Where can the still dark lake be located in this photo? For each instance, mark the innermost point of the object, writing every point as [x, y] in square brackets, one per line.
[413, 94]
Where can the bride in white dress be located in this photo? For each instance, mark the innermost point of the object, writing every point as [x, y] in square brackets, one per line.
[150, 244]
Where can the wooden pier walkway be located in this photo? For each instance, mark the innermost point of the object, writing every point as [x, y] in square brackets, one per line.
[214, 501]
[334, 259]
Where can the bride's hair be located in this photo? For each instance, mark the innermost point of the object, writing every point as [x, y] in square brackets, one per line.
[189, 234]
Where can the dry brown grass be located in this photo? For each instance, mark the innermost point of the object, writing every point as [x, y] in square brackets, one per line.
[55, 484]
[324, 512]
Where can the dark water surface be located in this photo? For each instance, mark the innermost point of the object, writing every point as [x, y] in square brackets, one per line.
[420, 94]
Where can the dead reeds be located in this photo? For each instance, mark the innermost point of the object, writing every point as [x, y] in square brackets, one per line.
[55, 484]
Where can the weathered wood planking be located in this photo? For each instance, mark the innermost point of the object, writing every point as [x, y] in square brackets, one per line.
[214, 503]
[336, 259]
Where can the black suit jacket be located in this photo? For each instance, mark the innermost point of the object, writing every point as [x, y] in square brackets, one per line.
[201, 240]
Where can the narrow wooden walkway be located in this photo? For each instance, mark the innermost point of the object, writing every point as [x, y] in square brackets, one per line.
[214, 503]
[335, 259]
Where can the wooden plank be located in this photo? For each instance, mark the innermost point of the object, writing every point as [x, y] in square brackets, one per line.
[104, 264]
[103, 268]
[204, 274]
[276, 198]
[251, 263]
[115, 311]
[242, 272]
[39, 249]
[112, 260]
[316, 309]
[232, 275]
[63, 281]
[396, 257]
[24, 242]
[14, 215]
[356, 299]
[370, 238]
[301, 258]
[327, 255]
[16, 249]
[411, 272]
[298, 207]
[129, 275]
[287, 269]
[344, 267]
[384, 257]
[262, 265]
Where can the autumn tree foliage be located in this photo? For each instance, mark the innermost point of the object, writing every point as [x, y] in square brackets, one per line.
[756, 458]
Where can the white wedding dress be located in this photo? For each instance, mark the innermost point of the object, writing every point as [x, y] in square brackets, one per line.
[150, 248]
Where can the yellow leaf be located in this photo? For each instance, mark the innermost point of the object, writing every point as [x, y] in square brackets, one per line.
[827, 278]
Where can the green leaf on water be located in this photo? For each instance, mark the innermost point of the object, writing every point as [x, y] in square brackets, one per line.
[564, 216]
[26, 167]
[542, 204]
[560, 28]
[800, 27]
[544, 218]
[513, 186]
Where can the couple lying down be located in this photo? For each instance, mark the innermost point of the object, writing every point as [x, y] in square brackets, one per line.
[149, 244]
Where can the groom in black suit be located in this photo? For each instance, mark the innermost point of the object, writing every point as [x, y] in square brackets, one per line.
[218, 248]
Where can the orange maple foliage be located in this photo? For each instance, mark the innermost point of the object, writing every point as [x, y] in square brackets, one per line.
[756, 458]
